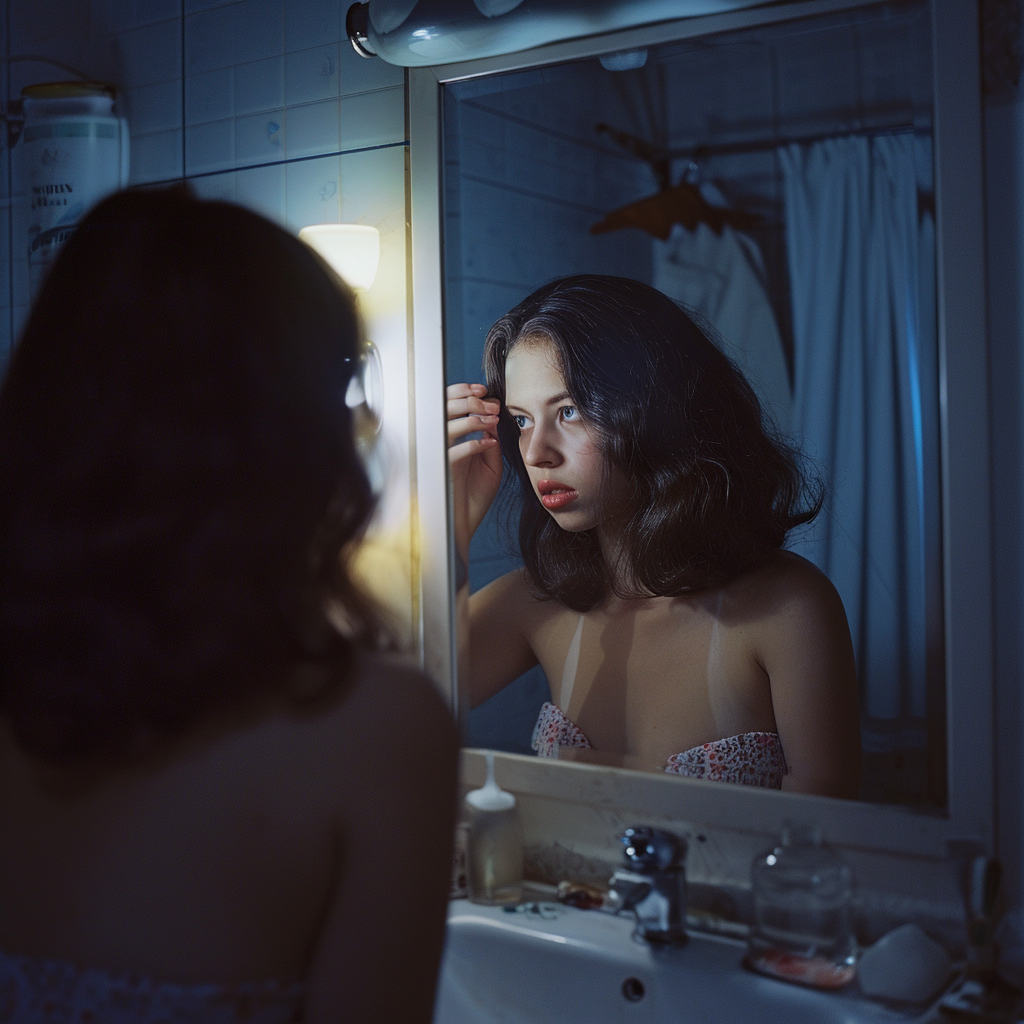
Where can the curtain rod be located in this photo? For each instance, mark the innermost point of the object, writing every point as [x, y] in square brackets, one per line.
[660, 158]
[733, 148]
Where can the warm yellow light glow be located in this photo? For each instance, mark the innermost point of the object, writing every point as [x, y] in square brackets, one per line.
[352, 250]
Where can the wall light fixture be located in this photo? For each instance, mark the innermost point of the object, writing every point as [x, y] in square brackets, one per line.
[351, 250]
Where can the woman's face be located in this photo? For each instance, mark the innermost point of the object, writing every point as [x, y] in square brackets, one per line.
[559, 448]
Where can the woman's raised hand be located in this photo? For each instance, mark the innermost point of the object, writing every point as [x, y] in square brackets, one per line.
[475, 464]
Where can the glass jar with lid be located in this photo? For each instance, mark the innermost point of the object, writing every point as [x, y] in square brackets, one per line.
[802, 930]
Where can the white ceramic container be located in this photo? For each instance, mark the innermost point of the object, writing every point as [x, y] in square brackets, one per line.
[73, 151]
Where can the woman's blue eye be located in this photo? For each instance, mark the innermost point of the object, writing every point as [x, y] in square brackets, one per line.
[520, 422]
[568, 412]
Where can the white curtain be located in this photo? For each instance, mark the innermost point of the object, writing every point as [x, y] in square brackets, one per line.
[861, 262]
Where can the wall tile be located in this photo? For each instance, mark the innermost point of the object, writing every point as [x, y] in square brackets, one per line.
[5, 339]
[19, 314]
[4, 153]
[154, 108]
[111, 16]
[215, 186]
[144, 12]
[313, 192]
[259, 120]
[28, 72]
[209, 40]
[373, 192]
[361, 74]
[311, 74]
[312, 129]
[193, 6]
[259, 86]
[150, 54]
[35, 22]
[373, 185]
[373, 119]
[210, 147]
[310, 23]
[258, 30]
[263, 189]
[19, 279]
[209, 96]
[156, 157]
[260, 138]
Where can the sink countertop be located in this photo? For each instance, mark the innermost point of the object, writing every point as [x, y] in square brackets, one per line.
[555, 963]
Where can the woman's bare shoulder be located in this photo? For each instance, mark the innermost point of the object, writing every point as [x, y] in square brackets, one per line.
[788, 584]
[788, 605]
[356, 740]
[387, 701]
[513, 585]
[515, 598]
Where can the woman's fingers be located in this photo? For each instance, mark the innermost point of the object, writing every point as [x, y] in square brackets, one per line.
[474, 455]
[469, 449]
[466, 390]
[470, 412]
[473, 407]
[465, 399]
[465, 425]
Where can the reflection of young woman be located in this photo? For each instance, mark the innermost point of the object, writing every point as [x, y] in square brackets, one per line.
[213, 798]
[675, 631]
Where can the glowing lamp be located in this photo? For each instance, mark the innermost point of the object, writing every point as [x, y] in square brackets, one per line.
[351, 250]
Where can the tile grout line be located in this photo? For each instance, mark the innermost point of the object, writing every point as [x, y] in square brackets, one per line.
[183, 118]
[10, 208]
[296, 160]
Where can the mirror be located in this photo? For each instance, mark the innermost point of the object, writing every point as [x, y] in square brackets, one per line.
[812, 138]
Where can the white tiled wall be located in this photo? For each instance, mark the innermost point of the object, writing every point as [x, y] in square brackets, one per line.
[272, 80]
[261, 102]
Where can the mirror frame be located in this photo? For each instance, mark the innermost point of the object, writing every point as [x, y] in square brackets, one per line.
[964, 440]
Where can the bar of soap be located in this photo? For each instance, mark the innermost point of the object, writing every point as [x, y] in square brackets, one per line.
[905, 965]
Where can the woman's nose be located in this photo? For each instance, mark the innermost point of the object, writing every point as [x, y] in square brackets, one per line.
[539, 449]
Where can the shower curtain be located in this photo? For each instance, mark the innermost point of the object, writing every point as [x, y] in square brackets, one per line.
[860, 243]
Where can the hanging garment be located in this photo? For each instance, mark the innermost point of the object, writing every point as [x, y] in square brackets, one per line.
[722, 276]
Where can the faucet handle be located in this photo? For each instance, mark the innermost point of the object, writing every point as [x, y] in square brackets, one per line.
[648, 849]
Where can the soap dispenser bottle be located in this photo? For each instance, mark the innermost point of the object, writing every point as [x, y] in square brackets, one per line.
[494, 843]
[802, 931]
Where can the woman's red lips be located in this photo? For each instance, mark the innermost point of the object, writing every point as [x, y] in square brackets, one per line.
[555, 495]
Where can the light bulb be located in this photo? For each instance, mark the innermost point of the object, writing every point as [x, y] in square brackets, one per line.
[351, 250]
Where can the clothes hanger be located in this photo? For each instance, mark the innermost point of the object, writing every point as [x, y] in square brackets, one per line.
[681, 203]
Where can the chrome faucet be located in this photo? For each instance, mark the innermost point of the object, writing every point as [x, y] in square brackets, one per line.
[653, 884]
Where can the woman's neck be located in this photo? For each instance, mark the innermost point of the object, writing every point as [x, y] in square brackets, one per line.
[609, 540]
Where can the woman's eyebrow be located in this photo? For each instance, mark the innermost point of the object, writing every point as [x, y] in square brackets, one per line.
[560, 397]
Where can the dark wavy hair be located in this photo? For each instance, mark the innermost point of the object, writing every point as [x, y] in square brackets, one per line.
[713, 488]
[178, 478]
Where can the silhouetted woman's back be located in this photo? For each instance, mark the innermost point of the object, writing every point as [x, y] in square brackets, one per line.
[213, 794]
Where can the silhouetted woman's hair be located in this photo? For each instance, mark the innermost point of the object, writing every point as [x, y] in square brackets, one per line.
[712, 489]
[178, 479]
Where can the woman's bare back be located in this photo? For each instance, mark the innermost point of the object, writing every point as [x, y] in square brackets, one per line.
[254, 848]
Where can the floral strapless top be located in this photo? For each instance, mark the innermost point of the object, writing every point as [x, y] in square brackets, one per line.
[38, 991]
[750, 759]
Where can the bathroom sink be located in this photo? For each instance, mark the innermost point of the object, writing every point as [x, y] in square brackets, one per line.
[561, 965]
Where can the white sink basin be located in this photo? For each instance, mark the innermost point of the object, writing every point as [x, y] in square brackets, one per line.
[583, 966]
